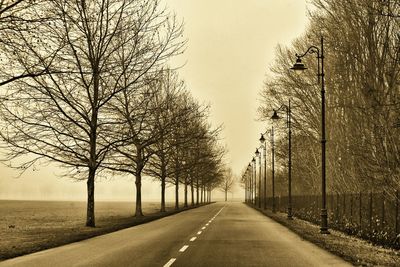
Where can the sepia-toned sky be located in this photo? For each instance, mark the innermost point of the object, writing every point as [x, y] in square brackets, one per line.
[231, 44]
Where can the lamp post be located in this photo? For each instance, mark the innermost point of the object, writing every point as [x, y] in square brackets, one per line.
[248, 182]
[299, 66]
[251, 181]
[262, 141]
[254, 180]
[257, 202]
[288, 124]
[273, 169]
[258, 154]
[250, 176]
[245, 186]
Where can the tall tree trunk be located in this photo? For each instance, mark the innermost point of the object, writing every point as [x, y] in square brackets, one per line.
[226, 195]
[192, 191]
[186, 193]
[197, 190]
[204, 194]
[176, 190]
[90, 219]
[201, 194]
[162, 194]
[163, 177]
[138, 182]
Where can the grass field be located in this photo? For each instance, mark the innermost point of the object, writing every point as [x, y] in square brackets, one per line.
[29, 226]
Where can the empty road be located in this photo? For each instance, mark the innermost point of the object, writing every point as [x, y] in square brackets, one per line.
[215, 235]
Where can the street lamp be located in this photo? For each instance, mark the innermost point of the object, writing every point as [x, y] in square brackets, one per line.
[258, 154]
[244, 177]
[275, 116]
[273, 169]
[262, 141]
[254, 179]
[249, 183]
[298, 67]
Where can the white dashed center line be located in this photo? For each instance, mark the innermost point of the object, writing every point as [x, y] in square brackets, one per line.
[169, 263]
[172, 260]
[183, 248]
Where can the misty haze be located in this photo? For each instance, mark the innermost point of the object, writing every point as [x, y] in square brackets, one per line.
[199, 133]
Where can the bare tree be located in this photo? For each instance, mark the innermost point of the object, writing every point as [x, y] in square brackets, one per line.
[92, 52]
[227, 182]
[149, 117]
[17, 17]
[194, 154]
[362, 83]
[182, 138]
[170, 118]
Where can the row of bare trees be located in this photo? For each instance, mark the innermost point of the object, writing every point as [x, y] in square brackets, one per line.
[362, 56]
[86, 85]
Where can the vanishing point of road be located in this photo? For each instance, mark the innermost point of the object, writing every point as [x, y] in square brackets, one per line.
[219, 234]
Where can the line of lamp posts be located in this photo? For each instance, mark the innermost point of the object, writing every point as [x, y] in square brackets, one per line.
[251, 186]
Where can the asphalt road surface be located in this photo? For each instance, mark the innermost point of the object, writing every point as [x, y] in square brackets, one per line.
[215, 235]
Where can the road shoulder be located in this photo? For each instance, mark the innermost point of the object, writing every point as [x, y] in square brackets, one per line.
[352, 249]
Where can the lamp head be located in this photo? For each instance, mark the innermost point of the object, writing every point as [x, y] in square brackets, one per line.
[298, 66]
[262, 139]
[275, 116]
[257, 152]
[253, 160]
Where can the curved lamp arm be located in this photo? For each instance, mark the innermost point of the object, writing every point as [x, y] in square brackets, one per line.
[312, 50]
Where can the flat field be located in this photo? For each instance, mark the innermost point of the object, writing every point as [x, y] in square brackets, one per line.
[29, 226]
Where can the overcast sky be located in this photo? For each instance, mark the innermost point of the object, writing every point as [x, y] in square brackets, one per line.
[231, 44]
